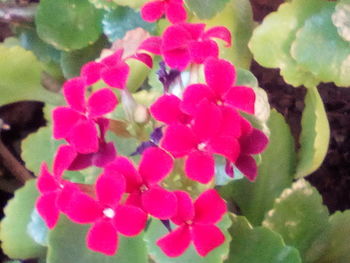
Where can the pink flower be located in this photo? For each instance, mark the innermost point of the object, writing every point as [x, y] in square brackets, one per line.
[173, 10]
[187, 43]
[220, 76]
[213, 130]
[196, 224]
[77, 123]
[143, 183]
[108, 216]
[53, 189]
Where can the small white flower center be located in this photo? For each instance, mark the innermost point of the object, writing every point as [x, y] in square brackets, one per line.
[109, 212]
[201, 146]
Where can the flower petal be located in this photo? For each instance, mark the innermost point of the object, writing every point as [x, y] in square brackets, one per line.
[253, 143]
[176, 37]
[220, 32]
[117, 76]
[209, 207]
[152, 11]
[46, 182]
[64, 119]
[167, 109]
[193, 95]
[113, 60]
[110, 187]
[83, 209]
[185, 208]
[176, 242]
[247, 165]
[64, 157]
[195, 30]
[152, 44]
[74, 93]
[83, 137]
[102, 237]
[144, 58]
[226, 146]
[130, 220]
[202, 243]
[175, 12]
[243, 98]
[177, 58]
[149, 168]
[219, 74]
[106, 154]
[101, 102]
[91, 72]
[47, 208]
[179, 140]
[231, 124]
[200, 166]
[125, 167]
[159, 202]
[201, 50]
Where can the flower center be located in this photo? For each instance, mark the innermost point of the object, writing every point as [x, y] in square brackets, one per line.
[109, 212]
[189, 222]
[201, 146]
[143, 188]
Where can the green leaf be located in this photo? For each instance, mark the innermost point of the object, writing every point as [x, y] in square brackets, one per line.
[205, 9]
[255, 199]
[37, 228]
[16, 242]
[334, 244]
[68, 24]
[67, 243]
[272, 40]
[103, 4]
[258, 245]
[237, 16]
[315, 134]
[156, 230]
[221, 177]
[328, 60]
[71, 62]
[136, 4]
[122, 19]
[39, 147]
[341, 19]
[298, 215]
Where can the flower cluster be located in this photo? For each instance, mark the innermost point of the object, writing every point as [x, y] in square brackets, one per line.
[203, 122]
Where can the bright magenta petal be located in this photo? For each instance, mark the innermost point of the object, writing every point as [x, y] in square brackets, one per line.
[226, 146]
[253, 143]
[152, 11]
[177, 58]
[175, 12]
[83, 209]
[193, 95]
[47, 208]
[201, 50]
[247, 165]
[113, 60]
[152, 44]
[179, 140]
[110, 188]
[125, 167]
[63, 159]
[200, 166]
[206, 238]
[46, 182]
[101, 102]
[195, 30]
[176, 37]
[74, 92]
[102, 237]
[144, 58]
[159, 202]
[219, 74]
[175, 243]
[231, 124]
[65, 197]
[117, 76]
[209, 207]
[129, 220]
[64, 119]
[91, 72]
[185, 208]
[149, 167]
[106, 154]
[167, 109]
[243, 98]
[220, 32]
[83, 137]
[207, 120]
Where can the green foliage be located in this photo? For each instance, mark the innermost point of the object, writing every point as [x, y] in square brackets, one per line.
[341, 19]
[104, 4]
[274, 175]
[258, 245]
[315, 134]
[39, 147]
[133, 4]
[298, 215]
[156, 230]
[67, 243]
[37, 228]
[122, 19]
[68, 24]
[205, 9]
[16, 242]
